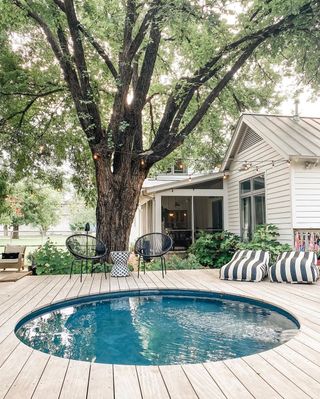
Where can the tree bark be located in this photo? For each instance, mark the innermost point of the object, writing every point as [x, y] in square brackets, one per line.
[118, 199]
[15, 233]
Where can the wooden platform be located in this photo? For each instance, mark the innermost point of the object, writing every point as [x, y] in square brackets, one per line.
[11, 276]
[289, 371]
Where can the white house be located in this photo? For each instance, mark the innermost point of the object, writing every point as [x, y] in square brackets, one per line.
[270, 174]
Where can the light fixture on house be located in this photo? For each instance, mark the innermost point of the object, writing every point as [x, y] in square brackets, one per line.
[245, 166]
[311, 164]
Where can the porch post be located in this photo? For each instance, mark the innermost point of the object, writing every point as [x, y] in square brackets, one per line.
[192, 218]
[158, 226]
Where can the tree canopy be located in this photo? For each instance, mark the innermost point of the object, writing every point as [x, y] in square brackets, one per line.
[113, 87]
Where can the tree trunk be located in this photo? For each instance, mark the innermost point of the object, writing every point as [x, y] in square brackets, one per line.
[5, 230]
[118, 199]
[15, 233]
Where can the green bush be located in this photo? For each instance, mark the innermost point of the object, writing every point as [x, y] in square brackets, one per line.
[214, 249]
[265, 238]
[49, 259]
[174, 263]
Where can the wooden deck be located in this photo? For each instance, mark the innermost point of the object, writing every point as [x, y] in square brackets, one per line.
[289, 371]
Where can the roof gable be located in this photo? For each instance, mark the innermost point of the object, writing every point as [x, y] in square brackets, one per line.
[290, 137]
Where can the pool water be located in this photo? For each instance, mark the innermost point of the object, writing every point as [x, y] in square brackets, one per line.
[157, 328]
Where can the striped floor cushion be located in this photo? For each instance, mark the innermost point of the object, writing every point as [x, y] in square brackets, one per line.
[295, 267]
[246, 266]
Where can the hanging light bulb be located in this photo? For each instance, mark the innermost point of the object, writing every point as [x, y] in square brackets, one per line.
[189, 178]
[142, 162]
[288, 162]
[225, 176]
[272, 164]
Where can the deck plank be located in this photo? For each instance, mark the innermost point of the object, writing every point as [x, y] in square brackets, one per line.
[50, 383]
[177, 383]
[100, 382]
[202, 382]
[227, 381]
[151, 383]
[29, 376]
[75, 384]
[126, 383]
[278, 381]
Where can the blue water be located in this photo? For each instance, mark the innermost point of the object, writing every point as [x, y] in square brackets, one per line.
[157, 330]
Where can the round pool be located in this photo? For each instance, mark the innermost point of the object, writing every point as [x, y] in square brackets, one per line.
[156, 327]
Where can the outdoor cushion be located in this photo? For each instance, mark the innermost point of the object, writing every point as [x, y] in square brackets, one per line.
[10, 255]
[246, 265]
[295, 267]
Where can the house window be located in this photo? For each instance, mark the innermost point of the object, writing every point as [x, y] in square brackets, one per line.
[253, 205]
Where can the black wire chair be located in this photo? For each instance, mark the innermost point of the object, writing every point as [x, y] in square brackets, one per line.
[85, 248]
[153, 245]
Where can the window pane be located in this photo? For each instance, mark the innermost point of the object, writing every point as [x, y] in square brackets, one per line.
[246, 218]
[245, 186]
[258, 183]
[260, 209]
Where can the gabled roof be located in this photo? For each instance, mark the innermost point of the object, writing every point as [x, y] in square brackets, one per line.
[292, 137]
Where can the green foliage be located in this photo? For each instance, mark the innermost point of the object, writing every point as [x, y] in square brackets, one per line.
[215, 249]
[28, 202]
[39, 126]
[50, 259]
[80, 215]
[175, 262]
[265, 238]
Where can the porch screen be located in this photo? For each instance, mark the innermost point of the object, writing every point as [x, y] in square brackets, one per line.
[253, 205]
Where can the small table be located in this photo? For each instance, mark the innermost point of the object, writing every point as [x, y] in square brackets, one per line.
[120, 263]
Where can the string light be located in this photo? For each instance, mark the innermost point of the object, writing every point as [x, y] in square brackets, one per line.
[96, 156]
[288, 162]
[225, 176]
[142, 162]
[189, 178]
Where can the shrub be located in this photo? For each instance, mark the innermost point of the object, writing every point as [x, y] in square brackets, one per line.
[214, 249]
[265, 238]
[49, 259]
[174, 263]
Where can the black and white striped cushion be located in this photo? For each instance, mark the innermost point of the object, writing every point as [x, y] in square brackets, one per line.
[246, 265]
[295, 267]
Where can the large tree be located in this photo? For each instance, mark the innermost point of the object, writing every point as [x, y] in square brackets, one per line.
[140, 76]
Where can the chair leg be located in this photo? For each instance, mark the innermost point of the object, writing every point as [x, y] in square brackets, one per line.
[144, 266]
[165, 265]
[105, 269]
[71, 267]
[139, 265]
[81, 271]
[161, 260]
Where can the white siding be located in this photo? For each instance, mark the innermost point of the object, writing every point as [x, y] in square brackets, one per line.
[278, 196]
[306, 194]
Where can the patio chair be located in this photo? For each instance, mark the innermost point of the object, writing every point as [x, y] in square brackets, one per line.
[246, 265]
[295, 267]
[86, 248]
[13, 257]
[153, 245]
